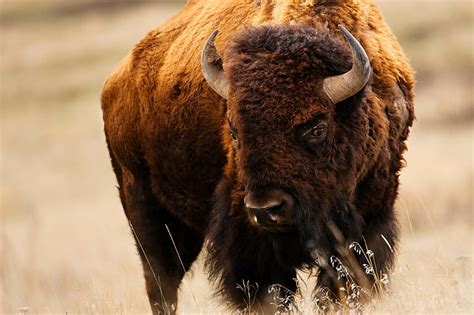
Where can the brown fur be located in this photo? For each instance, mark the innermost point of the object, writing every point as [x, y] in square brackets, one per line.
[168, 139]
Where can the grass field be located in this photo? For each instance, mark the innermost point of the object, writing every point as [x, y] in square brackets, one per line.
[65, 244]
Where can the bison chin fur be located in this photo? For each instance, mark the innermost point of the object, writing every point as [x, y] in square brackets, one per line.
[245, 260]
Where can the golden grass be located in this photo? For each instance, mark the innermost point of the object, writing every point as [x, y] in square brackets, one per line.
[65, 243]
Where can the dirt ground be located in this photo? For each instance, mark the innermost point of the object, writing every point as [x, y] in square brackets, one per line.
[65, 244]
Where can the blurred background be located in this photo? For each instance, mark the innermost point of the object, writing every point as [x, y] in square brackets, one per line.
[65, 244]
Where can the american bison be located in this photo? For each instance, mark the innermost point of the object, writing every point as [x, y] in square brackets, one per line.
[276, 141]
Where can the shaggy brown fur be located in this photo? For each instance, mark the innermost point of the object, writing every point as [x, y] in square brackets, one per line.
[169, 142]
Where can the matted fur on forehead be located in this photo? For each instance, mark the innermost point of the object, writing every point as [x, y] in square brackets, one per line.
[276, 74]
[311, 52]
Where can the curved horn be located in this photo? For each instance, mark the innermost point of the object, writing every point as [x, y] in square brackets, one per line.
[341, 87]
[211, 67]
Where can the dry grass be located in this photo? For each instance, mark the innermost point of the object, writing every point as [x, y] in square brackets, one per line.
[65, 243]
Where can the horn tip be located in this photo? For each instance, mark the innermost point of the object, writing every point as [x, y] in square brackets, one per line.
[214, 33]
[345, 32]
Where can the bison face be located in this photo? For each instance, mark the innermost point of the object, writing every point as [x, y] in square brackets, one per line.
[295, 131]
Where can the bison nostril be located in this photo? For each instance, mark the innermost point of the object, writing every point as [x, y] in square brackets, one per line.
[275, 208]
[272, 214]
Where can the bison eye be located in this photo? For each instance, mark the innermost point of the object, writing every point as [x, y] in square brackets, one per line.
[315, 134]
[233, 134]
[319, 131]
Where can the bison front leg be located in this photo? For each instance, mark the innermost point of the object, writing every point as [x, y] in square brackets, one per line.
[267, 292]
[155, 230]
[358, 270]
[341, 282]
[248, 271]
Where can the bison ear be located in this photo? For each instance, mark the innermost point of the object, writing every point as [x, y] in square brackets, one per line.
[401, 104]
[211, 67]
[340, 87]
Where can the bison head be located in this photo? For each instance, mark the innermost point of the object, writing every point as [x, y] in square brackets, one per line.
[300, 135]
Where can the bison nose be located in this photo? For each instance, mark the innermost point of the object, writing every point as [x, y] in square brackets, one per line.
[270, 207]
